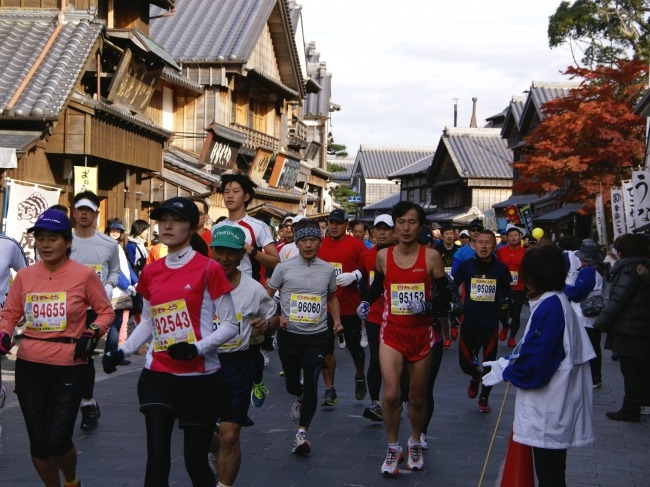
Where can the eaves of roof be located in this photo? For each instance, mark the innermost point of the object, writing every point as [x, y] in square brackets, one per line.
[418, 167]
[378, 161]
[273, 84]
[144, 43]
[181, 164]
[568, 210]
[525, 199]
[20, 140]
[293, 195]
[41, 61]
[385, 204]
[478, 153]
[178, 79]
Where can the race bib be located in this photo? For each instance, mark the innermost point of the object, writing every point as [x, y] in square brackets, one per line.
[400, 294]
[448, 271]
[171, 324]
[235, 342]
[305, 308]
[515, 277]
[483, 289]
[45, 312]
[97, 268]
[371, 278]
[338, 268]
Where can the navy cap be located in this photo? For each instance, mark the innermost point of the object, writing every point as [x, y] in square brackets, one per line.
[52, 220]
[117, 225]
[425, 236]
[179, 206]
[338, 215]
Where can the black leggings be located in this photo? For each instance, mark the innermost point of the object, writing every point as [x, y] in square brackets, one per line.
[472, 339]
[302, 353]
[89, 383]
[550, 467]
[196, 444]
[258, 362]
[374, 371]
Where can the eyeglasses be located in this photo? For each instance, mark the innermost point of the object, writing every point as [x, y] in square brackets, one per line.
[474, 229]
[202, 213]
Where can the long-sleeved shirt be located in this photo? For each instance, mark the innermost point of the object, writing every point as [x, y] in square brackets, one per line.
[99, 252]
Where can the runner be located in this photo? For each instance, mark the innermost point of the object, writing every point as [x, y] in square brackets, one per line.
[407, 272]
[467, 251]
[181, 295]
[511, 255]
[307, 288]
[99, 252]
[447, 248]
[52, 361]
[255, 311]
[289, 249]
[487, 286]
[344, 252]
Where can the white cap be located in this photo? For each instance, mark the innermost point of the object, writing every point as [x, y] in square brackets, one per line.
[155, 229]
[465, 233]
[385, 219]
[297, 218]
[286, 219]
[512, 226]
[86, 202]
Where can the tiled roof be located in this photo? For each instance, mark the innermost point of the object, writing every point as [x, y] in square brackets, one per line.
[516, 108]
[418, 167]
[379, 161]
[567, 210]
[19, 140]
[524, 199]
[542, 92]
[318, 103]
[385, 204]
[212, 30]
[478, 152]
[23, 37]
[345, 175]
[186, 163]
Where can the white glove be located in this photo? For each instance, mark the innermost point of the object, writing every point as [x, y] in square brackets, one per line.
[131, 291]
[109, 291]
[416, 307]
[347, 278]
[363, 309]
[496, 374]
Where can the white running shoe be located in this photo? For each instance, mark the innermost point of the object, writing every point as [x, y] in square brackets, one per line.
[364, 338]
[394, 456]
[267, 358]
[300, 444]
[213, 461]
[415, 460]
[423, 441]
[295, 410]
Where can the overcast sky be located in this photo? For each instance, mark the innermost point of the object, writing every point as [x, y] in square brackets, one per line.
[398, 66]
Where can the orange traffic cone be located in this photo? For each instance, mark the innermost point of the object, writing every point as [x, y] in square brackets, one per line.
[518, 470]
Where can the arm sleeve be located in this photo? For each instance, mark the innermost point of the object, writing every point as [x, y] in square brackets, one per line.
[227, 329]
[141, 334]
[376, 289]
[14, 306]
[458, 258]
[98, 301]
[130, 252]
[542, 350]
[584, 284]
[332, 284]
[18, 260]
[114, 267]
[619, 298]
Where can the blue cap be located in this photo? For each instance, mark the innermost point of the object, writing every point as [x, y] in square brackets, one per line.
[338, 215]
[117, 225]
[52, 220]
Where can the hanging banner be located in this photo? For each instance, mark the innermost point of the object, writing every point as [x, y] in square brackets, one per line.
[641, 184]
[512, 214]
[26, 202]
[527, 218]
[601, 227]
[85, 179]
[618, 213]
[628, 199]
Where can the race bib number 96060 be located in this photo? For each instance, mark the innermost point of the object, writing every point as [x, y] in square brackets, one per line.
[305, 308]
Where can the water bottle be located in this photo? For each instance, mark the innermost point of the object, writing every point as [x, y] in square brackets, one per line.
[341, 338]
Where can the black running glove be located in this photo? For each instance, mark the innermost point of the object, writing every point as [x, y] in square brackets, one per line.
[183, 351]
[111, 360]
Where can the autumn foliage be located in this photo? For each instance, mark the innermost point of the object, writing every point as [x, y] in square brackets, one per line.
[589, 139]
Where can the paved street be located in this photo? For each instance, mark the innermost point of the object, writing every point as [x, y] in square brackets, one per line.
[347, 450]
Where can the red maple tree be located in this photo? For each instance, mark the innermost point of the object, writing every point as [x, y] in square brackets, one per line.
[590, 139]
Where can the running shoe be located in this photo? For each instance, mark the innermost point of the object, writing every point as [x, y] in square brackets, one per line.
[300, 444]
[394, 456]
[645, 410]
[415, 460]
[483, 406]
[258, 394]
[364, 338]
[407, 407]
[472, 388]
[295, 410]
[267, 358]
[503, 334]
[447, 344]
[454, 332]
[374, 412]
[360, 388]
[281, 373]
[90, 415]
[329, 398]
[213, 462]
[423, 441]
[512, 343]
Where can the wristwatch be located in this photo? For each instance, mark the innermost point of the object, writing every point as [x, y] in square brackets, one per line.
[253, 252]
[94, 328]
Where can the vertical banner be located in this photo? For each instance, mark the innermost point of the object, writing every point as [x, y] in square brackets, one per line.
[26, 202]
[527, 218]
[85, 179]
[601, 227]
[618, 213]
[512, 214]
[641, 184]
[628, 199]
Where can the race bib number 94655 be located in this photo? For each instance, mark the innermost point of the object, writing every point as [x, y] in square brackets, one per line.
[171, 324]
[45, 312]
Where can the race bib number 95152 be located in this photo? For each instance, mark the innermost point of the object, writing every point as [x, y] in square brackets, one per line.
[171, 324]
[400, 294]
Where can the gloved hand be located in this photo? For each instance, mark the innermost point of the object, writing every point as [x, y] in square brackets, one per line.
[496, 374]
[347, 278]
[363, 310]
[417, 307]
[182, 351]
[5, 343]
[131, 291]
[111, 360]
[109, 291]
[504, 311]
[86, 344]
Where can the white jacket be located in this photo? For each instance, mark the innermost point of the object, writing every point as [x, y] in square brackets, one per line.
[559, 414]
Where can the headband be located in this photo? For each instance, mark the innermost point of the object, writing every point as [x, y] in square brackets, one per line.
[305, 232]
